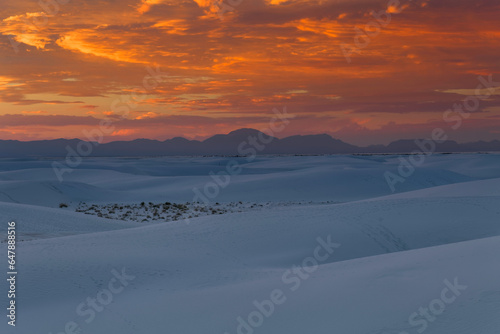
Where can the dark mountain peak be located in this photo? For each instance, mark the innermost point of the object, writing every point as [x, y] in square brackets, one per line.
[177, 140]
[316, 144]
[239, 135]
[244, 132]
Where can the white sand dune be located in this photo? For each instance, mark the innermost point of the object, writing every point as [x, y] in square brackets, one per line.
[336, 178]
[392, 254]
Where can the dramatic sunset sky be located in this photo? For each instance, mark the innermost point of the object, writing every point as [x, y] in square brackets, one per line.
[62, 67]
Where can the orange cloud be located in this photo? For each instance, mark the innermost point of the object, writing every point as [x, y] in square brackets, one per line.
[123, 132]
[326, 27]
[29, 28]
[146, 5]
[85, 41]
[269, 53]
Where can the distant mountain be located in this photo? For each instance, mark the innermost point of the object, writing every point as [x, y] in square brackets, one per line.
[314, 144]
[410, 145]
[228, 144]
[239, 142]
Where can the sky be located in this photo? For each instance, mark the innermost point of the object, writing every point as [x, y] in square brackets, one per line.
[363, 71]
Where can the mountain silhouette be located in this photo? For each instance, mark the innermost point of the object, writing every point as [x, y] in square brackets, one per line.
[238, 142]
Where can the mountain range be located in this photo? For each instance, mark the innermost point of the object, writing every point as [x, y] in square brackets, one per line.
[238, 142]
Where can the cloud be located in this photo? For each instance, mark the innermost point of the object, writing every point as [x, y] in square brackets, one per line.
[20, 99]
[9, 120]
[146, 5]
[29, 28]
[265, 54]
